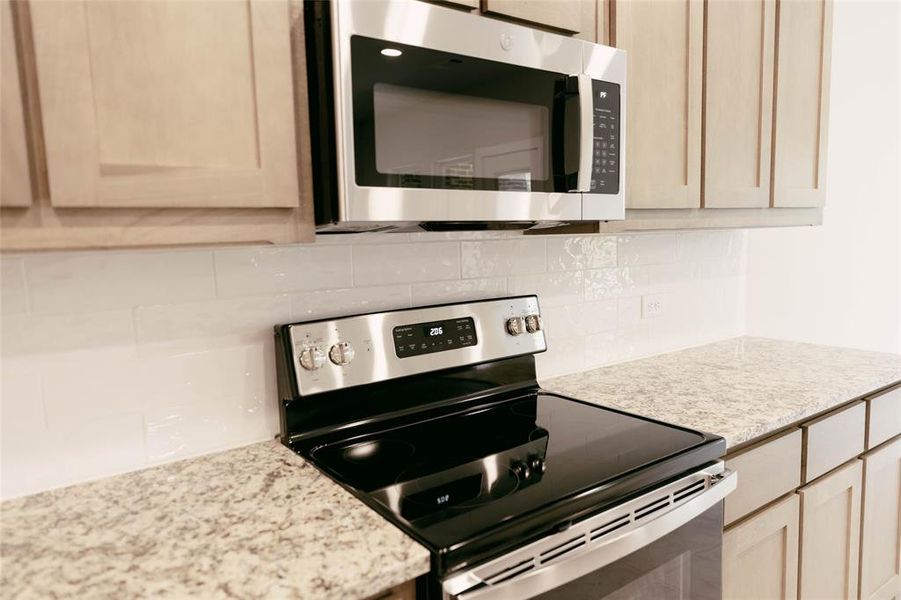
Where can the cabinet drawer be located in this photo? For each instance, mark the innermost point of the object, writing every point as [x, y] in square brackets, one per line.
[883, 417]
[765, 472]
[832, 440]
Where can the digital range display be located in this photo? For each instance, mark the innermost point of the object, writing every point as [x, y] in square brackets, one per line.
[425, 338]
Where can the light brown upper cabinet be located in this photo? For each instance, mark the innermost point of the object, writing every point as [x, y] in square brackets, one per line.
[803, 60]
[15, 177]
[166, 104]
[547, 13]
[727, 111]
[665, 46]
[154, 123]
[738, 102]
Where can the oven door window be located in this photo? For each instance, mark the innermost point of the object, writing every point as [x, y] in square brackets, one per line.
[429, 119]
[684, 564]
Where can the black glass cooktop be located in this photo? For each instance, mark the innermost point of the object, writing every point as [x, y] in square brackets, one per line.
[459, 474]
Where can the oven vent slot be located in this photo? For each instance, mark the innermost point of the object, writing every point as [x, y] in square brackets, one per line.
[608, 527]
[510, 572]
[561, 549]
[651, 508]
[592, 532]
[689, 490]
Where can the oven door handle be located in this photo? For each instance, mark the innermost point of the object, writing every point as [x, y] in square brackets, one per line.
[586, 133]
[543, 579]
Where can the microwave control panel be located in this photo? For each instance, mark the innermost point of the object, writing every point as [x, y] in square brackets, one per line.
[605, 154]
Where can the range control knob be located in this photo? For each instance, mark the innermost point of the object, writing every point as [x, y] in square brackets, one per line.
[537, 464]
[533, 323]
[522, 470]
[312, 358]
[341, 353]
[515, 325]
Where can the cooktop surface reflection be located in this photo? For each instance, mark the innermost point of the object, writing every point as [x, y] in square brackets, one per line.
[456, 473]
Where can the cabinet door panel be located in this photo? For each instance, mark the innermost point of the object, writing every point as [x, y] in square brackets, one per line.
[802, 108]
[830, 535]
[15, 176]
[167, 104]
[549, 13]
[738, 103]
[760, 555]
[880, 539]
[664, 41]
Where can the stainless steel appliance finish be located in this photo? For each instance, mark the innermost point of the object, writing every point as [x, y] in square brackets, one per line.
[361, 347]
[433, 416]
[595, 542]
[425, 25]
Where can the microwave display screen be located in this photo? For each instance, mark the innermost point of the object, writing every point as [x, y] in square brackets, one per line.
[425, 338]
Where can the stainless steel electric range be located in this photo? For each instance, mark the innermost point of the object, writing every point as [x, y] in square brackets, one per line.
[434, 418]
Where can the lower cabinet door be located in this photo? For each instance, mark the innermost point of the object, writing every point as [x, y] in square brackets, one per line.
[830, 535]
[760, 554]
[880, 559]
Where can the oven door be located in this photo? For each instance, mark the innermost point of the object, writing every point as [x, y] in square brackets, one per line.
[663, 545]
[445, 116]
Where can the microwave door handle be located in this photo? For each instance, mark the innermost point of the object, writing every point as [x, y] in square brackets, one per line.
[537, 581]
[586, 133]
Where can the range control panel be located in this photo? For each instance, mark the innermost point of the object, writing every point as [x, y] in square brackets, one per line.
[605, 158]
[425, 338]
[348, 351]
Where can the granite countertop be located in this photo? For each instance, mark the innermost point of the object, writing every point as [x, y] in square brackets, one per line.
[741, 388]
[248, 523]
[260, 522]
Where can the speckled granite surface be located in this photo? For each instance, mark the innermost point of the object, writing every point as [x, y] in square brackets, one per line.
[256, 522]
[741, 388]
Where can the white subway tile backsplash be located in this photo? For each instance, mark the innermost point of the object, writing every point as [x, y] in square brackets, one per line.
[338, 302]
[37, 333]
[503, 257]
[553, 289]
[13, 292]
[165, 354]
[90, 282]
[624, 343]
[573, 320]
[252, 315]
[646, 249]
[112, 445]
[628, 310]
[271, 270]
[378, 264]
[563, 356]
[21, 402]
[86, 385]
[581, 252]
[458, 290]
[701, 245]
[614, 282]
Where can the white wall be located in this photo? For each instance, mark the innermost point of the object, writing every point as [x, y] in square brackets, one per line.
[113, 361]
[840, 283]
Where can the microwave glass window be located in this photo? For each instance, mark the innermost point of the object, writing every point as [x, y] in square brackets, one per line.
[430, 119]
[459, 139]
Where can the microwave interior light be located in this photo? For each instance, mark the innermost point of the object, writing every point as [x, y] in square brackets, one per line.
[391, 52]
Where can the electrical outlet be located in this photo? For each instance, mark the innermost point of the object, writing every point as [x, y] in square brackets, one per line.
[653, 305]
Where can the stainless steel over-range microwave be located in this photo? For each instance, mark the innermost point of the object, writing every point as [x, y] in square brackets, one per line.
[426, 115]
